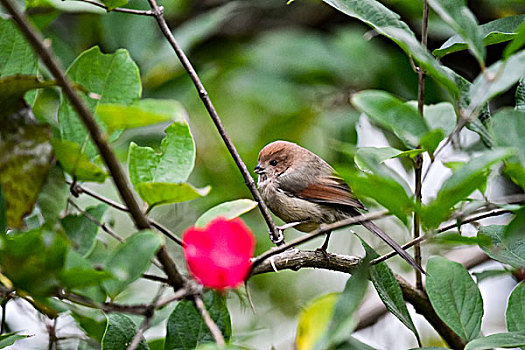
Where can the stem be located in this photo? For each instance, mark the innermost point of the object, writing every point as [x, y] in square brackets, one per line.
[418, 164]
[119, 9]
[100, 140]
[203, 94]
[212, 326]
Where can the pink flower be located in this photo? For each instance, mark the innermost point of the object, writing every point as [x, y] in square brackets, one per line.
[219, 255]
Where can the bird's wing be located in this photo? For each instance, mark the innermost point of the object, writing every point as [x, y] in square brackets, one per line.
[332, 190]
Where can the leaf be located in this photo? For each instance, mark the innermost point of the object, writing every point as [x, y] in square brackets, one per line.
[454, 296]
[517, 43]
[486, 274]
[141, 113]
[14, 87]
[92, 322]
[458, 16]
[509, 130]
[440, 116]
[493, 32]
[77, 163]
[119, 333]
[456, 238]
[130, 259]
[113, 4]
[53, 197]
[496, 79]
[313, 321]
[173, 165]
[83, 277]
[389, 291]
[228, 210]
[515, 229]
[508, 251]
[354, 344]
[25, 162]
[342, 323]
[392, 114]
[10, 338]
[459, 185]
[16, 55]
[388, 23]
[156, 193]
[515, 314]
[186, 330]
[81, 230]
[431, 140]
[108, 78]
[378, 155]
[498, 340]
[520, 95]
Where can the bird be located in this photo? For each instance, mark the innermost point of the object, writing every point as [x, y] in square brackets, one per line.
[305, 192]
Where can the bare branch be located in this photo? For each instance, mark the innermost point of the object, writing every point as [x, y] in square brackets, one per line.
[203, 94]
[212, 326]
[119, 9]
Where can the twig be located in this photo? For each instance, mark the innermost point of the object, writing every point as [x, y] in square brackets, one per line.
[80, 189]
[111, 161]
[203, 94]
[212, 326]
[418, 162]
[52, 330]
[323, 229]
[103, 226]
[6, 299]
[137, 338]
[441, 229]
[119, 9]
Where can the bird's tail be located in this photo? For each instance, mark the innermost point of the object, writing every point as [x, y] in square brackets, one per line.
[376, 230]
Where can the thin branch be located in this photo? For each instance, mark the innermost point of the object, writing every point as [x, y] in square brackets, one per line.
[418, 163]
[135, 342]
[203, 94]
[78, 189]
[119, 9]
[323, 229]
[6, 299]
[52, 330]
[99, 139]
[212, 326]
[90, 217]
[298, 259]
[442, 229]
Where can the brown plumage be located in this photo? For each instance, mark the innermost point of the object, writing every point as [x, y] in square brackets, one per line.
[299, 186]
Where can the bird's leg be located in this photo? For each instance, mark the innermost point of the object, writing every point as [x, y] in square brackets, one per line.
[324, 247]
[280, 231]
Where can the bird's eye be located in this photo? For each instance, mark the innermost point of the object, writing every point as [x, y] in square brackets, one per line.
[273, 162]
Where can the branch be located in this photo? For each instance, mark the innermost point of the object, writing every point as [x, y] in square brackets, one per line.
[323, 229]
[297, 259]
[212, 326]
[119, 9]
[203, 94]
[117, 174]
[76, 189]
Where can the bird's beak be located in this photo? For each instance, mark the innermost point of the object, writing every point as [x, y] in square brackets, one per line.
[258, 169]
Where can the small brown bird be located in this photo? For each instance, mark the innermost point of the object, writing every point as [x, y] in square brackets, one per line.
[305, 192]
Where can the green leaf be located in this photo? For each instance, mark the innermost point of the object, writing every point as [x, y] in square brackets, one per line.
[515, 314]
[392, 114]
[377, 155]
[498, 340]
[173, 165]
[494, 32]
[79, 277]
[454, 296]
[456, 238]
[77, 163]
[81, 230]
[16, 55]
[113, 4]
[92, 322]
[141, 113]
[516, 172]
[440, 116]
[53, 197]
[343, 323]
[353, 344]
[314, 320]
[130, 259]
[486, 274]
[25, 162]
[458, 16]
[509, 130]
[508, 251]
[389, 291]
[497, 78]
[459, 185]
[10, 338]
[83, 277]
[431, 140]
[186, 330]
[108, 78]
[3, 216]
[119, 333]
[388, 23]
[515, 229]
[228, 210]
[14, 87]
[517, 43]
[156, 193]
